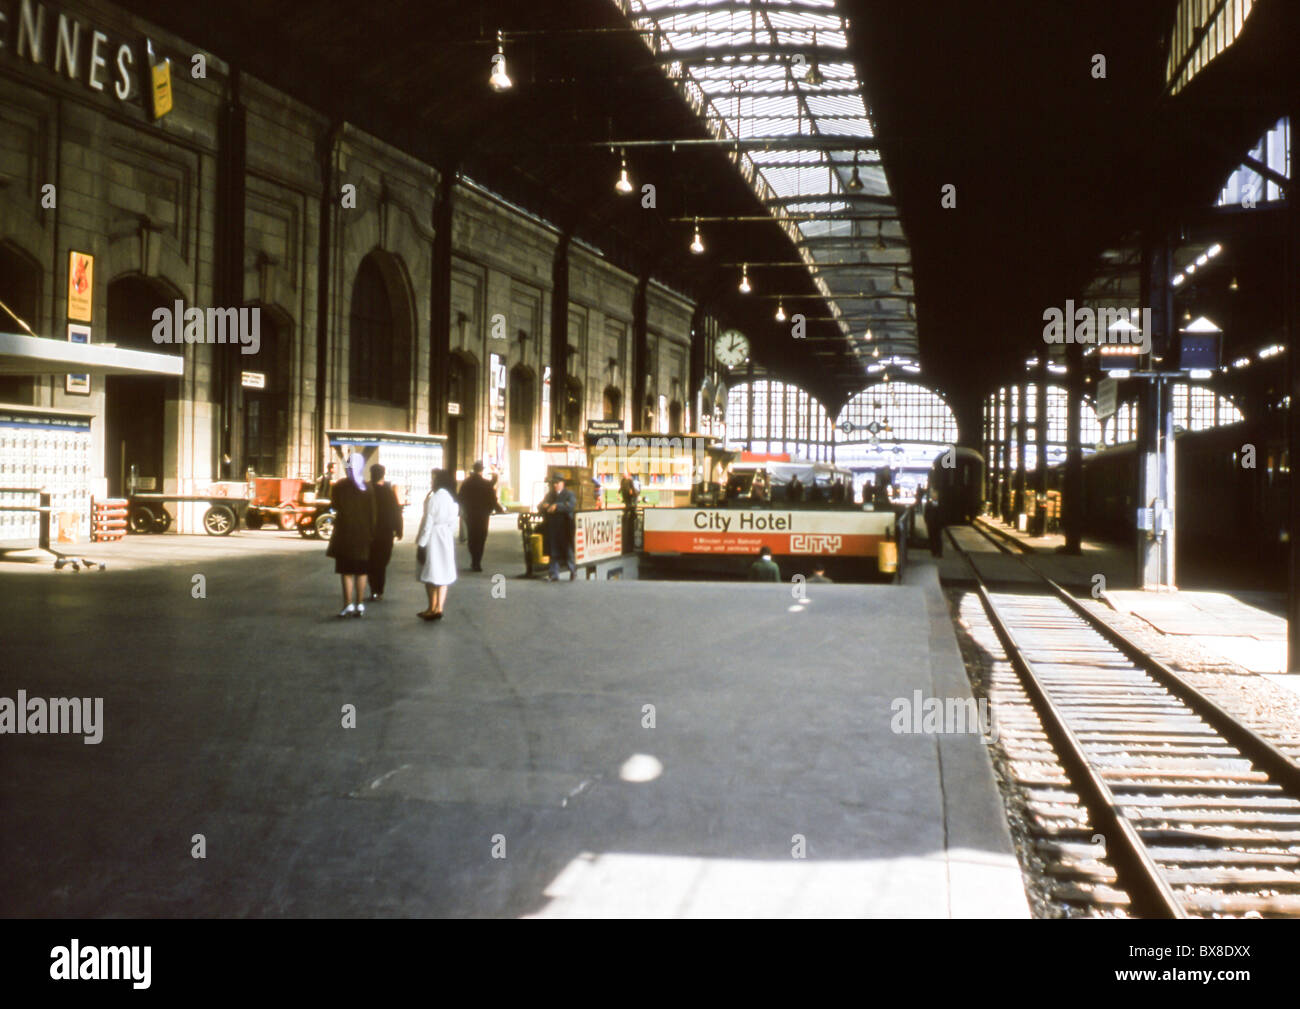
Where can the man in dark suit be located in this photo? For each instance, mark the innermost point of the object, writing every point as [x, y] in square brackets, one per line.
[478, 502]
[764, 569]
[559, 507]
[388, 524]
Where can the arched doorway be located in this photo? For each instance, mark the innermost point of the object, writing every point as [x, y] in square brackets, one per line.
[613, 404]
[20, 289]
[462, 389]
[264, 418]
[135, 405]
[380, 328]
[521, 397]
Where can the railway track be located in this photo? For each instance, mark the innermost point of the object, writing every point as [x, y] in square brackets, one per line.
[1143, 794]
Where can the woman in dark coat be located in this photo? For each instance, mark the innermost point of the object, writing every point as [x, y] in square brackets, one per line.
[354, 530]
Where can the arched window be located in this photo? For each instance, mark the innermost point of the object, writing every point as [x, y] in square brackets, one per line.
[1197, 408]
[572, 410]
[786, 419]
[899, 411]
[379, 336]
[613, 404]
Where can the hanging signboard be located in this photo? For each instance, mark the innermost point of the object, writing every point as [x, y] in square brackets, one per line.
[1107, 398]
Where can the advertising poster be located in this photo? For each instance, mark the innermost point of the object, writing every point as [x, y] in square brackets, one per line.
[81, 285]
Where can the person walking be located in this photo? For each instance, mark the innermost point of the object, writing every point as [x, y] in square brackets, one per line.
[764, 569]
[559, 506]
[388, 525]
[436, 543]
[478, 503]
[354, 530]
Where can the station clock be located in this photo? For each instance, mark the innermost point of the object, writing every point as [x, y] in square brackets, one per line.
[731, 348]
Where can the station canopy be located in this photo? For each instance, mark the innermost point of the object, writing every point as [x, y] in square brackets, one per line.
[776, 76]
[31, 355]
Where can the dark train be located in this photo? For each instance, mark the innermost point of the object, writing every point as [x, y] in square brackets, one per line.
[1229, 517]
[958, 490]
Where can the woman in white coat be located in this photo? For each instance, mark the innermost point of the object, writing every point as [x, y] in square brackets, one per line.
[436, 542]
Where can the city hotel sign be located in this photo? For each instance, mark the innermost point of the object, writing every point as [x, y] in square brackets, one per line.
[38, 34]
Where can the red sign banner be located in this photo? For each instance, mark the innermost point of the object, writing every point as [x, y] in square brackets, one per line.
[745, 531]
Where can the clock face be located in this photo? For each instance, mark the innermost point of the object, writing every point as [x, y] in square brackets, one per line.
[731, 348]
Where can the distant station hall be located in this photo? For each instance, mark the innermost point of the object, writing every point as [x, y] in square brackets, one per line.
[649, 458]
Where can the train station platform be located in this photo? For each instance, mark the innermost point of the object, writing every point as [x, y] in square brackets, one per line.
[594, 749]
[1241, 628]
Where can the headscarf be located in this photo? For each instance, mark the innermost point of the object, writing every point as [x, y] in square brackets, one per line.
[356, 469]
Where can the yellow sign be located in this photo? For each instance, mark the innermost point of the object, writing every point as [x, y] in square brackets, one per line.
[162, 89]
[81, 285]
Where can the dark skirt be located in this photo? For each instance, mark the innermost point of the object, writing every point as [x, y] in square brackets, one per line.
[349, 566]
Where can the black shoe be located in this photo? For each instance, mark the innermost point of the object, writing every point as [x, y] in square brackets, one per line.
[477, 567]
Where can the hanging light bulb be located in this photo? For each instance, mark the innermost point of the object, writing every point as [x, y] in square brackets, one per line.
[624, 185]
[814, 75]
[780, 310]
[854, 184]
[500, 80]
[875, 351]
[1234, 285]
[869, 336]
[880, 235]
[697, 245]
[744, 279]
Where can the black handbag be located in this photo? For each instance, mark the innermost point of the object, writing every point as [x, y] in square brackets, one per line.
[421, 555]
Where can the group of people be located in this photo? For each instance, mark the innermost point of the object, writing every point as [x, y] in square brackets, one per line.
[765, 569]
[368, 518]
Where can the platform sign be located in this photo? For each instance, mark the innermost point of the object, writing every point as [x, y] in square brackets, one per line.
[601, 428]
[1198, 351]
[598, 536]
[81, 285]
[1107, 398]
[745, 531]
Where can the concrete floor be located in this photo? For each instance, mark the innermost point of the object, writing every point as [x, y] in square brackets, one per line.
[515, 723]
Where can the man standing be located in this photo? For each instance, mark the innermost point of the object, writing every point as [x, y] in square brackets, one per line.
[478, 502]
[764, 569]
[388, 524]
[559, 506]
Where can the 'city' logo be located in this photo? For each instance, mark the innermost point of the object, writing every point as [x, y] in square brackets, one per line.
[218, 325]
[1104, 326]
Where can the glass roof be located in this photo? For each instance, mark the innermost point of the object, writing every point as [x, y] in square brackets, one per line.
[780, 69]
